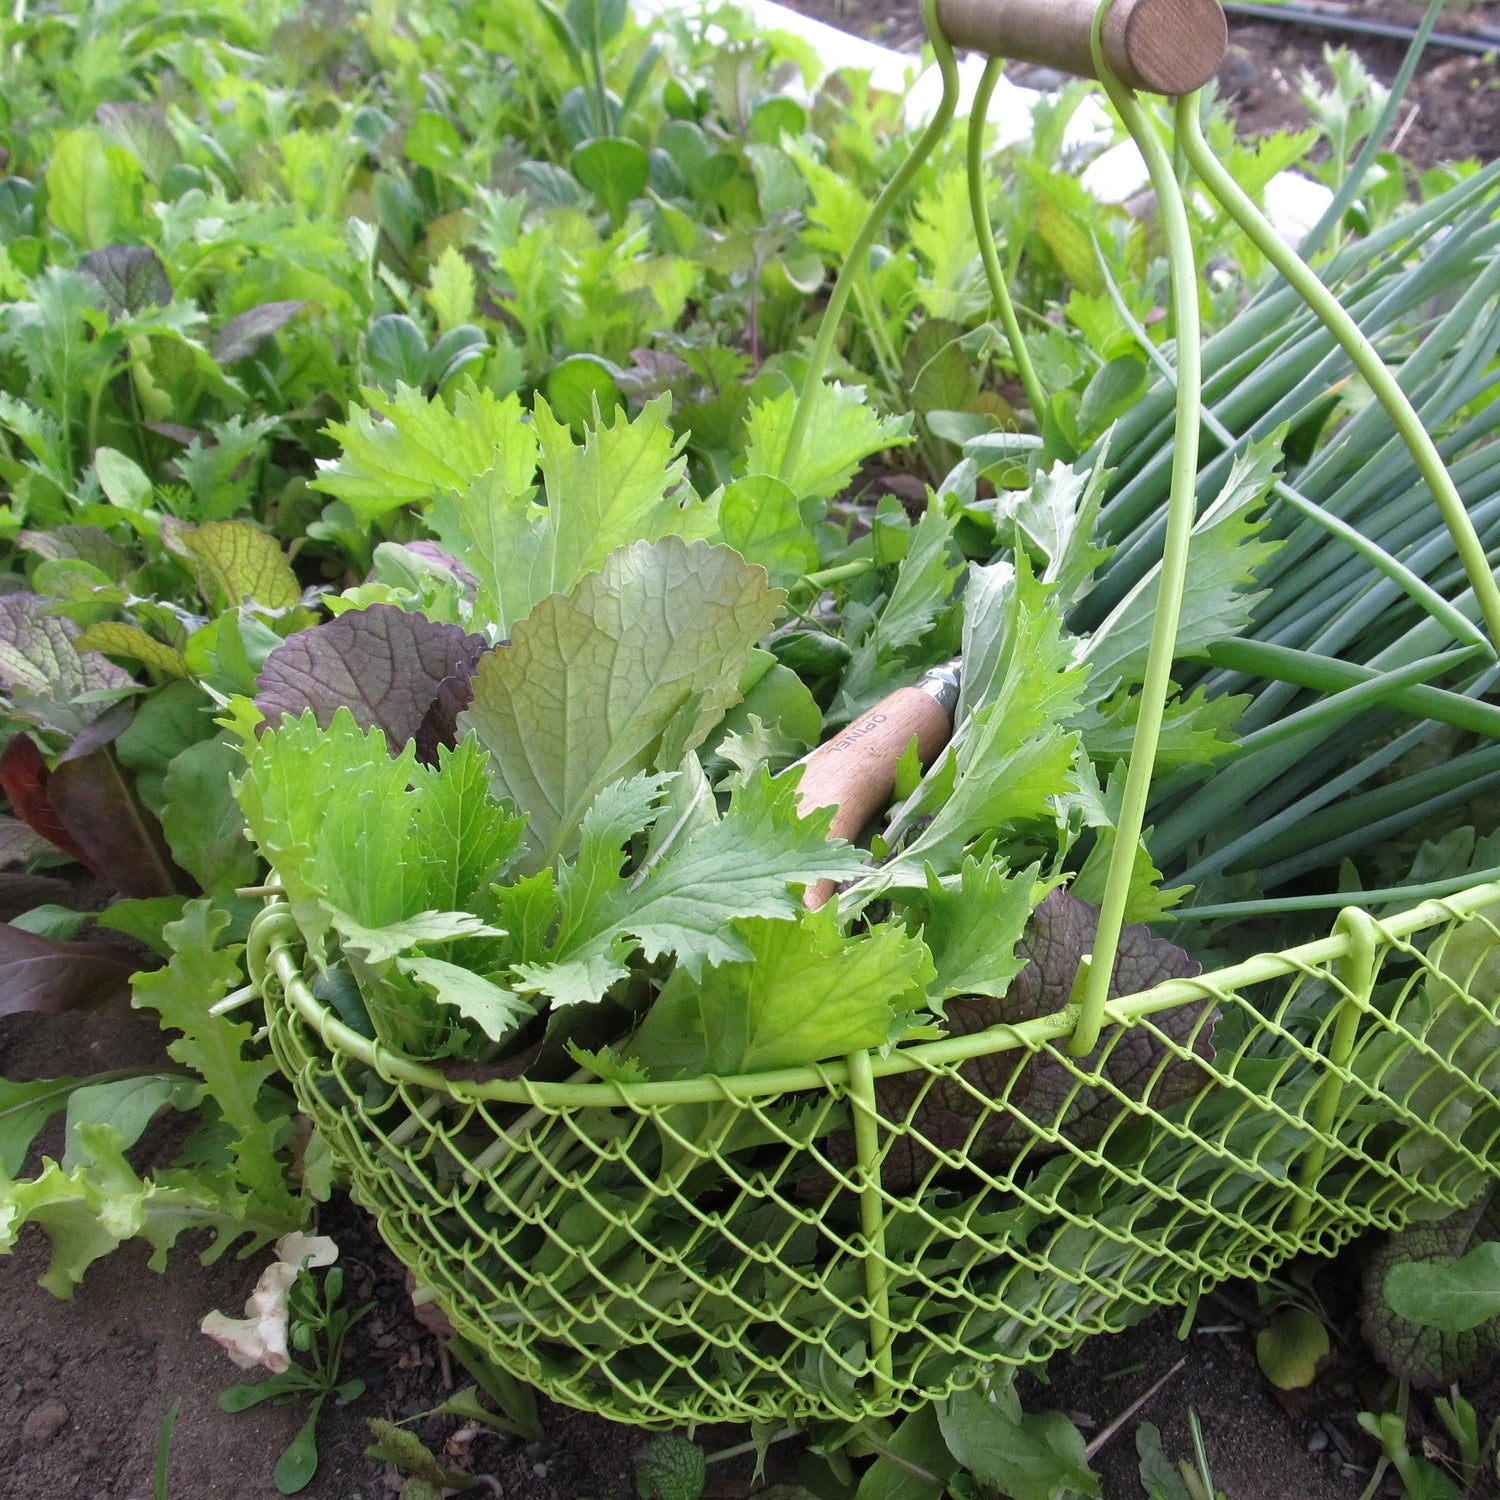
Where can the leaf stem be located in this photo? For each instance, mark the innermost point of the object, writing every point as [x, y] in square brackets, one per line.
[984, 232]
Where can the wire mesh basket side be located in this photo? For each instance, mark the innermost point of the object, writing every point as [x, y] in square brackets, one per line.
[667, 1262]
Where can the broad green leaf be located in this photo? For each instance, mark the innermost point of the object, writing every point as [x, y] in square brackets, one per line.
[918, 1466]
[238, 563]
[752, 862]
[842, 432]
[1025, 1455]
[418, 448]
[127, 1106]
[171, 719]
[760, 518]
[204, 827]
[123, 480]
[115, 638]
[614, 169]
[1159, 1477]
[581, 390]
[24, 1109]
[627, 672]
[1290, 1347]
[1452, 1295]
[199, 974]
[804, 993]
[93, 189]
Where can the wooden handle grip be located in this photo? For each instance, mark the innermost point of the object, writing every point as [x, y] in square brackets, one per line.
[1160, 46]
[855, 771]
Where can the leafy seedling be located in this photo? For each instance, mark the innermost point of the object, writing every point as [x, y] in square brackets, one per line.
[317, 1327]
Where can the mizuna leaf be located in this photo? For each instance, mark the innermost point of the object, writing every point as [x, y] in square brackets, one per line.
[236, 564]
[750, 863]
[418, 449]
[803, 992]
[624, 674]
[41, 974]
[495, 1010]
[377, 945]
[1222, 560]
[843, 430]
[389, 667]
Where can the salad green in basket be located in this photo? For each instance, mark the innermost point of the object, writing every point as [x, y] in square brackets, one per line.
[672, 1145]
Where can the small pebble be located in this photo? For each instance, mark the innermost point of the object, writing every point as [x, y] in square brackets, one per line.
[46, 1365]
[43, 1423]
[1318, 1442]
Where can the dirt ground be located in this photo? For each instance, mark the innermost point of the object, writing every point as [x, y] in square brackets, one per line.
[1451, 112]
[85, 1384]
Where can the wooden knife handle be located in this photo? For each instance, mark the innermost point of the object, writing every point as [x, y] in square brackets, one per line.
[855, 771]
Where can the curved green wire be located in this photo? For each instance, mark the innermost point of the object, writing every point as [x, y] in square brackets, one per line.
[985, 234]
[859, 251]
[1181, 506]
[1361, 352]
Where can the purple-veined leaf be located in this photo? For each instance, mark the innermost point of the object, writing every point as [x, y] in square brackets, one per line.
[393, 670]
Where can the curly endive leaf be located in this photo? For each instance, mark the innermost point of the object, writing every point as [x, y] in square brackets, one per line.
[1042, 1088]
[95, 1207]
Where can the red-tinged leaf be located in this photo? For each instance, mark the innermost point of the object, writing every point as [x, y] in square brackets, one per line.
[242, 334]
[1077, 1099]
[24, 775]
[39, 974]
[387, 666]
[118, 839]
[20, 893]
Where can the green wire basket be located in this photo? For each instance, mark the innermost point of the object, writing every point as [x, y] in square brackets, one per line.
[860, 1237]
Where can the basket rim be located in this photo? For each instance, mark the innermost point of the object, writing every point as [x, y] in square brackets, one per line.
[275, 935]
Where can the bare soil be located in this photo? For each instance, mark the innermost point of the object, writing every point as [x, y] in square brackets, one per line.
[1451, 111]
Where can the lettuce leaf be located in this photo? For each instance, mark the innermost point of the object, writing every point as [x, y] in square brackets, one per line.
[624, 674]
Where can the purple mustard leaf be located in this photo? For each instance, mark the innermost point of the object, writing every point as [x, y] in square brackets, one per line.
[455, 692]
[386, 665]
[1042, 1088]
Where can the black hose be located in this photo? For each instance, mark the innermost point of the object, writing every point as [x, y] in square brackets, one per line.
[1481, 43]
